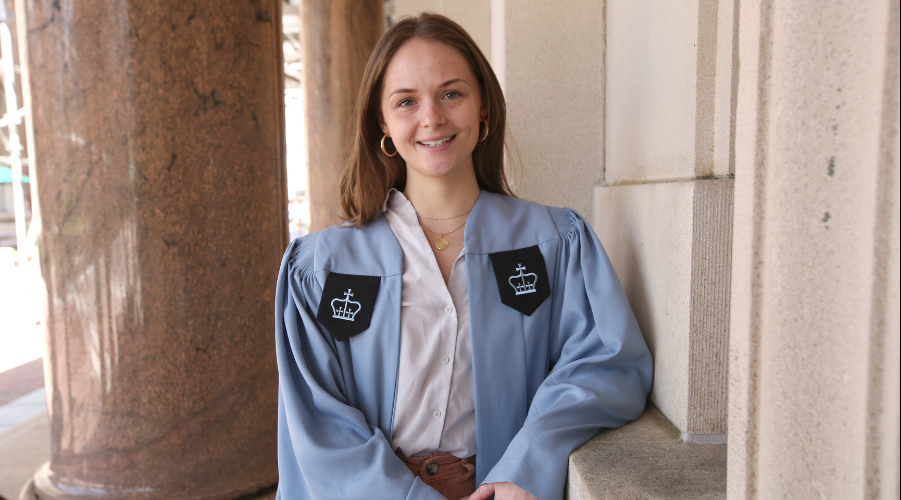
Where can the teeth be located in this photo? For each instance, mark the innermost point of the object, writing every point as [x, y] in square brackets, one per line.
[436, 143]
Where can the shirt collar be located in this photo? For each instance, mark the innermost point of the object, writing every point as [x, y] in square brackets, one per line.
[399, 204]
[388, 198]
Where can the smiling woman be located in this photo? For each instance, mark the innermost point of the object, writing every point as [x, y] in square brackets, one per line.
[432, 110]
[422, 69]
[448, 335]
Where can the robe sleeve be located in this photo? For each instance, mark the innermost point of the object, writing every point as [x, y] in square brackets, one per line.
[600, 368]
[326, 448]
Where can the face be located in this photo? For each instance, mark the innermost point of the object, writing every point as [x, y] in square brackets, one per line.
[431, 107]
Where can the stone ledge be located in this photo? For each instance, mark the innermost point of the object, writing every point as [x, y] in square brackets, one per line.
[646, 459]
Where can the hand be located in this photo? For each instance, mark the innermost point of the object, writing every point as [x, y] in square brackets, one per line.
[501, 491]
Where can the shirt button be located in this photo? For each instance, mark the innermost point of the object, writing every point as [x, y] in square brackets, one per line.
[445, 360]
[437, 414]
[448, 309]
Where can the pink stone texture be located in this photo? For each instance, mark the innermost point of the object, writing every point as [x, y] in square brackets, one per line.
[159, 151]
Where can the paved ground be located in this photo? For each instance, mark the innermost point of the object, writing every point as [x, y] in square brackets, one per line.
[24, 438]
[21, 311]
[21, 409]
[24, 431]
[22, 450]
[19, 381]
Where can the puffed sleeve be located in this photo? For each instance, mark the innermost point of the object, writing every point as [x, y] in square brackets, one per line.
[600, 369]
[326, 448]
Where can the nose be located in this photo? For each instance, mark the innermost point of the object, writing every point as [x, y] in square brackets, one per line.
[433, 114]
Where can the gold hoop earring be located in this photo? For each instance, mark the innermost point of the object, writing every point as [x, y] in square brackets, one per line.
[485, 135]
[386, 151]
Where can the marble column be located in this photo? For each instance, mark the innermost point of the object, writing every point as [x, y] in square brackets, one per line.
[160, 158]
[337, 38]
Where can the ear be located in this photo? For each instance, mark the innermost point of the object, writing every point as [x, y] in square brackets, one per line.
[483, 113]
[382, 124]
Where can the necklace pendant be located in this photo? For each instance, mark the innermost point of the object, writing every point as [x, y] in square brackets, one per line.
[441, 243]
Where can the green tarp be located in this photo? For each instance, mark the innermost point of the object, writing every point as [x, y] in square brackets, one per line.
[6, 176]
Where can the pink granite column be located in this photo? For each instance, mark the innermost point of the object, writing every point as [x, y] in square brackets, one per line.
[160, 166]
[337, 38]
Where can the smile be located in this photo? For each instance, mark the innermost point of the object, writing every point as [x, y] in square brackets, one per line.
[437, 143]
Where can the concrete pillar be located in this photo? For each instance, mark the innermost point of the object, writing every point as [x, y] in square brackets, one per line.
[473, 15]
[553, 67]
[664, 209]
[158, 135]
[337, 38]
[814, 342]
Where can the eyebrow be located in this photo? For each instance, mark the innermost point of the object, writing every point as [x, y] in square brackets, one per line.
[413, 91]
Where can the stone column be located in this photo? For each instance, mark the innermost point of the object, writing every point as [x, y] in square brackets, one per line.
[814, 339]
[337, 37]
[664, 210]
[159, 145]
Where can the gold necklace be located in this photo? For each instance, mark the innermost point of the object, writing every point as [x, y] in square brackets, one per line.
[441, 243]
[447, 218]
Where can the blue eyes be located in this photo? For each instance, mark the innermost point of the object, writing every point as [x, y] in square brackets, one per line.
[451, 95]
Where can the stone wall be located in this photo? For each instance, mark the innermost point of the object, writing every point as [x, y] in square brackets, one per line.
[624, 112]
[751, 211]
[664, 208]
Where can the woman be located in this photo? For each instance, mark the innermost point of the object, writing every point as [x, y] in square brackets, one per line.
[448, 335]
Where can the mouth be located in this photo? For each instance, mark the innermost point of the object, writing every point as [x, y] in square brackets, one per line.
[439, 142]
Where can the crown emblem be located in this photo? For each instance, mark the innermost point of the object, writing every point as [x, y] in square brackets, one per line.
[522, 283]
[344, 309]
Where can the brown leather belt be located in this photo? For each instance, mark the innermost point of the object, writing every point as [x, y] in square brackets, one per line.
[452, 476]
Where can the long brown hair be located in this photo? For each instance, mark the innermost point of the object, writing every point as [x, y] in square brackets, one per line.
[368, 173]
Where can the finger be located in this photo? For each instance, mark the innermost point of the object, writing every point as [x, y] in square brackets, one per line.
[483, 493]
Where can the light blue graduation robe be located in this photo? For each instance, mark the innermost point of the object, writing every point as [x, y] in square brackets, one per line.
[543, 384]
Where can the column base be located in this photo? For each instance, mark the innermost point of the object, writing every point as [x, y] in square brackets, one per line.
[40, 487]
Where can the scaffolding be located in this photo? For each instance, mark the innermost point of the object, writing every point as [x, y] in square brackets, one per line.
[11, 120]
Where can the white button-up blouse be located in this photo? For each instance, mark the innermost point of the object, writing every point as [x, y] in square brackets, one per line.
[435, 409]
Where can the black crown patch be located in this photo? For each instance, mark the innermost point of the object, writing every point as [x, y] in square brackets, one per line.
[347, 303]
[521, 278]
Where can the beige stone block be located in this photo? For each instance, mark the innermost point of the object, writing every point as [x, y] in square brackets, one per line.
[646, 459]
[554, 56]
[473, 15]
[814, 367]
[670, 80]
[670, 244]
